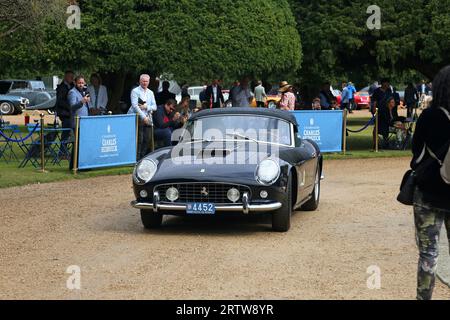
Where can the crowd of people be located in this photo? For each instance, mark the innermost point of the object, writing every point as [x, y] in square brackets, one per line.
[160, 113]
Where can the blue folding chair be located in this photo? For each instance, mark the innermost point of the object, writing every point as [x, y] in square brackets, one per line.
[10, 133]
[31, 147]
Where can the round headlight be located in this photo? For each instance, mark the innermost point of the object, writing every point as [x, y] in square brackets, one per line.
[172, 194]
[145, 171]
[267, 172]
[233, 195]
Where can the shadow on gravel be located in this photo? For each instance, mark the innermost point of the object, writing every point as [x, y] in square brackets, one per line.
[217, 225]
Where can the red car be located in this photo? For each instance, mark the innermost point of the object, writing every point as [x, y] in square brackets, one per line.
[362, 99]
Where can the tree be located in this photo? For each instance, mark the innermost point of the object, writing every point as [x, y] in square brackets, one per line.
[21, 34]
[194, 40]
[339, 45]
[23, 15]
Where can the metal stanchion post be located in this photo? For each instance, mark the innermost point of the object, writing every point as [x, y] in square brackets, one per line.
[75, 150]
[42, 143]
[344, 145]
[153, 138]
[137, 136]
[376, 130]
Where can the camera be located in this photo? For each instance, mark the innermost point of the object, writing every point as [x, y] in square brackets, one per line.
[85, 92]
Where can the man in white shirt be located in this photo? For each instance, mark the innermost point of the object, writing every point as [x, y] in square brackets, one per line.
[99, 95]
[143, 103]
[214, 95]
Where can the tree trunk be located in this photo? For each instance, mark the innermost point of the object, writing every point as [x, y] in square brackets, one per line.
[115, 82]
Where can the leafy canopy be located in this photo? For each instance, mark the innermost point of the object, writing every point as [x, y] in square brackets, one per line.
[191, 39]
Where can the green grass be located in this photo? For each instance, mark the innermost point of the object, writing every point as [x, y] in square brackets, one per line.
[359, 146]
[11, 175]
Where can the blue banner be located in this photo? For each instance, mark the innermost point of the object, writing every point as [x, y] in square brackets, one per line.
[107, 141]
[323, 127]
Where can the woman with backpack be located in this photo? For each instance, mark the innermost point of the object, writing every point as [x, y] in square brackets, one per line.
[432, 195]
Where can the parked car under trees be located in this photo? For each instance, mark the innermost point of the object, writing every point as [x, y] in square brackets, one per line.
[34, 90]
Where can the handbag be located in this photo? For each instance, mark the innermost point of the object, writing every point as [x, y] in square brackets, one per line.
[409, 183]
[407, 189]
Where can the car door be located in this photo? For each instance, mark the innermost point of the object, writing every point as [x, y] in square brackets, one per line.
[306, 164]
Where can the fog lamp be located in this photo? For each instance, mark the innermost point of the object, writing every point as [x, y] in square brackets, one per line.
[233, 195]
[172, 194]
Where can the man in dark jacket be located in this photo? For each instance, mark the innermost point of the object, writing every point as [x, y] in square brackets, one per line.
[165, 121]
[214, 95]
[62, 106]
[165, 94]
[411, 98]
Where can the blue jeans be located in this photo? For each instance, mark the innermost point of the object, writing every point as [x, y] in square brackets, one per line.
[164, 136]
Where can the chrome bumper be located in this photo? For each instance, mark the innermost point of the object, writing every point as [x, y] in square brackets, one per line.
[229, 208]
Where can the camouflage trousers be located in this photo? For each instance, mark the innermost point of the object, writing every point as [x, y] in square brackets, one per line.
[428, 222]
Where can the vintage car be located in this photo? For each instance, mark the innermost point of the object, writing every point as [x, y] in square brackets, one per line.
[10, 105]
[34, 90]
[231, 160]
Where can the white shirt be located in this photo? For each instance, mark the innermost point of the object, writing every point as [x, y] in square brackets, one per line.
[101, 96]
[214, 88]
[145, 95]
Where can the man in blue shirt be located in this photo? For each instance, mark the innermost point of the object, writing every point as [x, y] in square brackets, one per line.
[79, 99]
[352, 91]
[345, 97]
[79, 105]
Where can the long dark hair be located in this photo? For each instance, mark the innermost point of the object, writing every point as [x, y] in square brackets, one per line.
[441, 89]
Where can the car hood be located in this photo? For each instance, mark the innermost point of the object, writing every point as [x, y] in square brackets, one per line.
[207, 161]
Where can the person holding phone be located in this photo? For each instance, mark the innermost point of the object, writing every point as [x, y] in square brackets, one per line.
[79, 99]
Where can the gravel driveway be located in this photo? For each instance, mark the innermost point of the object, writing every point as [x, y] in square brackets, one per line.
[89, 223]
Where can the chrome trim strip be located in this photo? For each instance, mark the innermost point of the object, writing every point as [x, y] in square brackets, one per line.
[155, 201]
[230, 208]
[245, 203]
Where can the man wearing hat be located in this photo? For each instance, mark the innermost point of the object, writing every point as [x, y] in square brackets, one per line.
[287, 101]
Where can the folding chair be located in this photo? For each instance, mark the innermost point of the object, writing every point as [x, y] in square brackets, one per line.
[11, 132]
[400, 135]
[60, 149]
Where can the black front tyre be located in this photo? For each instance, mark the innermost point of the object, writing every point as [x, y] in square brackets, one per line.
[150, 219]
[313, 203]
[281, 218]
